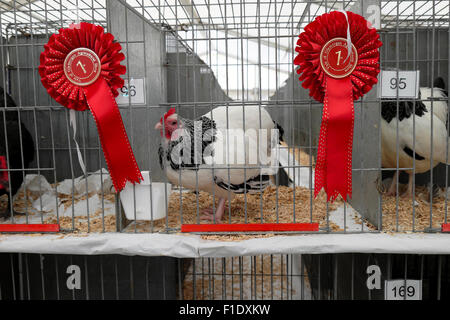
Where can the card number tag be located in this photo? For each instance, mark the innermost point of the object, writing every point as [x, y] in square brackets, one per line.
[399, 290]
[406, 84]
[133, 92]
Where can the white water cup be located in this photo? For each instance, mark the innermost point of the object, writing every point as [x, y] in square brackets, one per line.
[143, 202]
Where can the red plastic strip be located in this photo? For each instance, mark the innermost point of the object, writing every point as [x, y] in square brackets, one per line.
[446, 227]
[246, 227]
[29, 228]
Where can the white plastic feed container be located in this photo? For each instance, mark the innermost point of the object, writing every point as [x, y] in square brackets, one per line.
[143, 200]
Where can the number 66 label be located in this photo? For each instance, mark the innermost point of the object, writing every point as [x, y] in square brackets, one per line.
[403, 290]
[406, 84]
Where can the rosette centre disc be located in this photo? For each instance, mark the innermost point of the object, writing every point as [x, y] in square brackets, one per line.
[82, 66]
[333, 58]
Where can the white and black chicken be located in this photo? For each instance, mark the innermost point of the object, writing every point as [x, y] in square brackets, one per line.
[421, 150]
[210, 163]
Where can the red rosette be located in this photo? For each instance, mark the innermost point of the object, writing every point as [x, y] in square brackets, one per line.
[339, 63]
[334, 25]
[82, 35]
[80, 68]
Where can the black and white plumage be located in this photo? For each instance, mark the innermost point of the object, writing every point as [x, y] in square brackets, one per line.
[420, 150]
[217, 169]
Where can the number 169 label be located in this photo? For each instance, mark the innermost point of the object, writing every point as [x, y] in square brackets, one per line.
[406, 84]
[403, 290]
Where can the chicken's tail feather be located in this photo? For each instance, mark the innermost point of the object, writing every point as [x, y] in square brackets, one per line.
[280, 132]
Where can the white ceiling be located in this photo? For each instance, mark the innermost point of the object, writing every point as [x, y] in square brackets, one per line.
[248, 45]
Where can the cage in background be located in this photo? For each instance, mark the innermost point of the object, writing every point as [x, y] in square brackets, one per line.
[196, 56]
[262, 277]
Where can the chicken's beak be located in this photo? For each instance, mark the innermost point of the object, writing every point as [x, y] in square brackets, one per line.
[158, 126]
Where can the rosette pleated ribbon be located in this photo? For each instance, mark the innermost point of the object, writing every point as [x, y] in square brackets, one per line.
[80, 68]
[338, 61]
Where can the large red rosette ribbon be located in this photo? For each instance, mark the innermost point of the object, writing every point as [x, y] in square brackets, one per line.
[337, 78]
[80, 68]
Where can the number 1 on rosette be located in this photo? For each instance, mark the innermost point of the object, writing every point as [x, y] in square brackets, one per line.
[80, 68]
[339, 63]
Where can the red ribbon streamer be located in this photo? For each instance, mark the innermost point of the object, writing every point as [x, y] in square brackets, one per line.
[334, 157]
[97, 95]
[116, 147]
[333, 170]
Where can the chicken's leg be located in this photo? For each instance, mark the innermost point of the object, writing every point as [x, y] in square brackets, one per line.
[409, 190]
[393, 188]
[219, 212]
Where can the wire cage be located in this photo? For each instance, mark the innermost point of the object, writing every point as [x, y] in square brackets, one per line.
[199, 56]
[196, 57]
[262, 277]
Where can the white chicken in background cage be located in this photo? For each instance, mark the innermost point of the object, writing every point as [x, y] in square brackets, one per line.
[215, 133]
[422, 134]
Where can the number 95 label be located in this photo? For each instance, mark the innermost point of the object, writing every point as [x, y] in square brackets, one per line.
[406, 84]
[401, 290]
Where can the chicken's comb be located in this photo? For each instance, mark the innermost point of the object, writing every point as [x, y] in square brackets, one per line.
[168, 114]
[3, 174]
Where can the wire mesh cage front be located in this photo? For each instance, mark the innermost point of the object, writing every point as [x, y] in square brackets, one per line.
[262, 277]
[237, 57]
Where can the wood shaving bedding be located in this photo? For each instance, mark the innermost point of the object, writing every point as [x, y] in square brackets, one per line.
[269, 210]
[285, 213]
[260, 208]
[261, 277]
[97, 224]
[407, 211]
